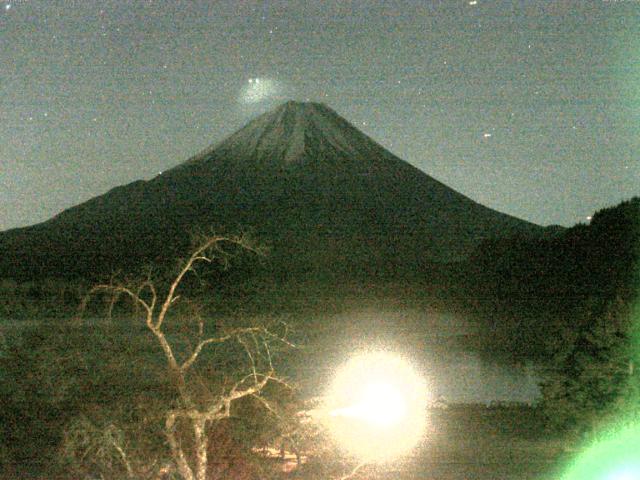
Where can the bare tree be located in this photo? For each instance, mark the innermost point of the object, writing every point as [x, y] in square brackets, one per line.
[198, 413]
[103, 445]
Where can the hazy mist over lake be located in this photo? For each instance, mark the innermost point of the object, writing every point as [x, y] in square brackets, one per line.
[433, 343]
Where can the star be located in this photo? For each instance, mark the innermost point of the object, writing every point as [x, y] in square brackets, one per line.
[7, 7]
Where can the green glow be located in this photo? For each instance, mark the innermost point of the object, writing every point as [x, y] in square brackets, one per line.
[615, 457]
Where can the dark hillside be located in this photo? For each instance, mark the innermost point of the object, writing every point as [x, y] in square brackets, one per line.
[520, 289]
[305, 181]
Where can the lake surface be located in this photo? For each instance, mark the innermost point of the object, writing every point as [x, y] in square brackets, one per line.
[433, 343]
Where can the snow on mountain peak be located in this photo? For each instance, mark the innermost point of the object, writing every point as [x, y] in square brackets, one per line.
[286, 132]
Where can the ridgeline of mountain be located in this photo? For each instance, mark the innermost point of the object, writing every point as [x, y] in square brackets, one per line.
[301, 178]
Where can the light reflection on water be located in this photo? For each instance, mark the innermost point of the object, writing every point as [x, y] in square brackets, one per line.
[432, 342]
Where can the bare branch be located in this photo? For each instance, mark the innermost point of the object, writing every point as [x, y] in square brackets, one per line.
[197, 255]
[171, 359]
[266, 405]
[115, 290]
[148, 285]
[266, 347]
[235, 394]
[280, 338]
[253, 362]
[353, 472]
[194, 355]
[202, 258]
[112, 302]
[237, 332]
[123, 458]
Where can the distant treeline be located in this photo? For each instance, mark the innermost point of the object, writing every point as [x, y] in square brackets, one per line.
[51, 298]
[521, 289]
[570, 300]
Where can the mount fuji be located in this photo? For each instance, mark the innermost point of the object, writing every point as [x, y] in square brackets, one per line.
[304, 180]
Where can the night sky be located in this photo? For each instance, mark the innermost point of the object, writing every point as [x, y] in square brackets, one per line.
[531, 108]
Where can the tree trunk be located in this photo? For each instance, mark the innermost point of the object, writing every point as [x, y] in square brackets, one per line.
[176, 450]
[199, 429]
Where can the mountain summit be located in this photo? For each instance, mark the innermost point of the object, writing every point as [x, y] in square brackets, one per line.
[303, 179]
[285, 133]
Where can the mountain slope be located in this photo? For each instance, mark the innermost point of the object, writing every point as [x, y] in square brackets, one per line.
[301, 177]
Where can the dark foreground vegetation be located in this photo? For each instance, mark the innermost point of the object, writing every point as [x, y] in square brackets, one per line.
[480, 443]
[87, 397]
[571, 300]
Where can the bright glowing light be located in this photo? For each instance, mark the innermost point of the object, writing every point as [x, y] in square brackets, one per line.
[614, 457]
[628, 473]
[381, 404]
[259, 89]
[377, 407]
